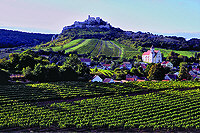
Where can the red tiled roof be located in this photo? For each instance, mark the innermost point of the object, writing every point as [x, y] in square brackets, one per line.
[165, 62]
[143, 66]
[107, 65]
[130, 79]
[197, 69]
[139, 80]
[149, 51]
[123, 65]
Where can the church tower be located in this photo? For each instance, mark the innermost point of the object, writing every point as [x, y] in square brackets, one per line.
[152, 54]
[152, 49]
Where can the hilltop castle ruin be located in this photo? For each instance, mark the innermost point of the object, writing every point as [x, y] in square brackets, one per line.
[90, 22]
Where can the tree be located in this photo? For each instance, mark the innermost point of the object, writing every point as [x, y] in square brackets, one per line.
[4, 77]
[27, 72]
[134, 71]
[14, 59]
[25, 61]
[156, 72]
[73, 60]
[138, 58]
[39, 73]
[67, 73]
[52, 72]
[119, 73]
[183, 72]
[95, 69]
[148, 68]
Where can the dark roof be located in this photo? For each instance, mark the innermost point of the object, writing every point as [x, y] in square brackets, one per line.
[85, 60]
[172, 76]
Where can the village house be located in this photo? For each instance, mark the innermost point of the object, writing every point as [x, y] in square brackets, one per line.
[196, 70]
[194, 74]
[170, 77]
[194, 65]
[167, 64]
[131, 78]
[176, 73]
[128, 65]
[17, 77]
[152, 56]
[108, 80]
[86, 61]
[96, 78]
[106, 66]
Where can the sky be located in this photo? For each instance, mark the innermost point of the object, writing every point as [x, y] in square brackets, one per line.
[168, 17]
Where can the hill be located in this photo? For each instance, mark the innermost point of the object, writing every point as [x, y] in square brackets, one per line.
[9, 38]
[96, 28]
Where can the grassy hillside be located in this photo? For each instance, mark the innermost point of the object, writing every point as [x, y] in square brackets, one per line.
[184, 53]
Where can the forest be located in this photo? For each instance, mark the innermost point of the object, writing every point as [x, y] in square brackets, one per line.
[9, 38]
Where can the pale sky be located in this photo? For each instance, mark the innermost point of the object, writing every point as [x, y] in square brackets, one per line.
[155, 16]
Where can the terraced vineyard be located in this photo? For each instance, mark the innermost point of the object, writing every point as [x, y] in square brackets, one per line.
[96, 47]
[79, 106]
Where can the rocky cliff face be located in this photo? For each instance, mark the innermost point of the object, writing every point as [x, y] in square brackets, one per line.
[88, 23]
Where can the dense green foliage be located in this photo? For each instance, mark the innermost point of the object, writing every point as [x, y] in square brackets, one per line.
[156, 72]
[69, 71]
[23, 60]
[10, 38]
[4, 77]
[183, 72]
